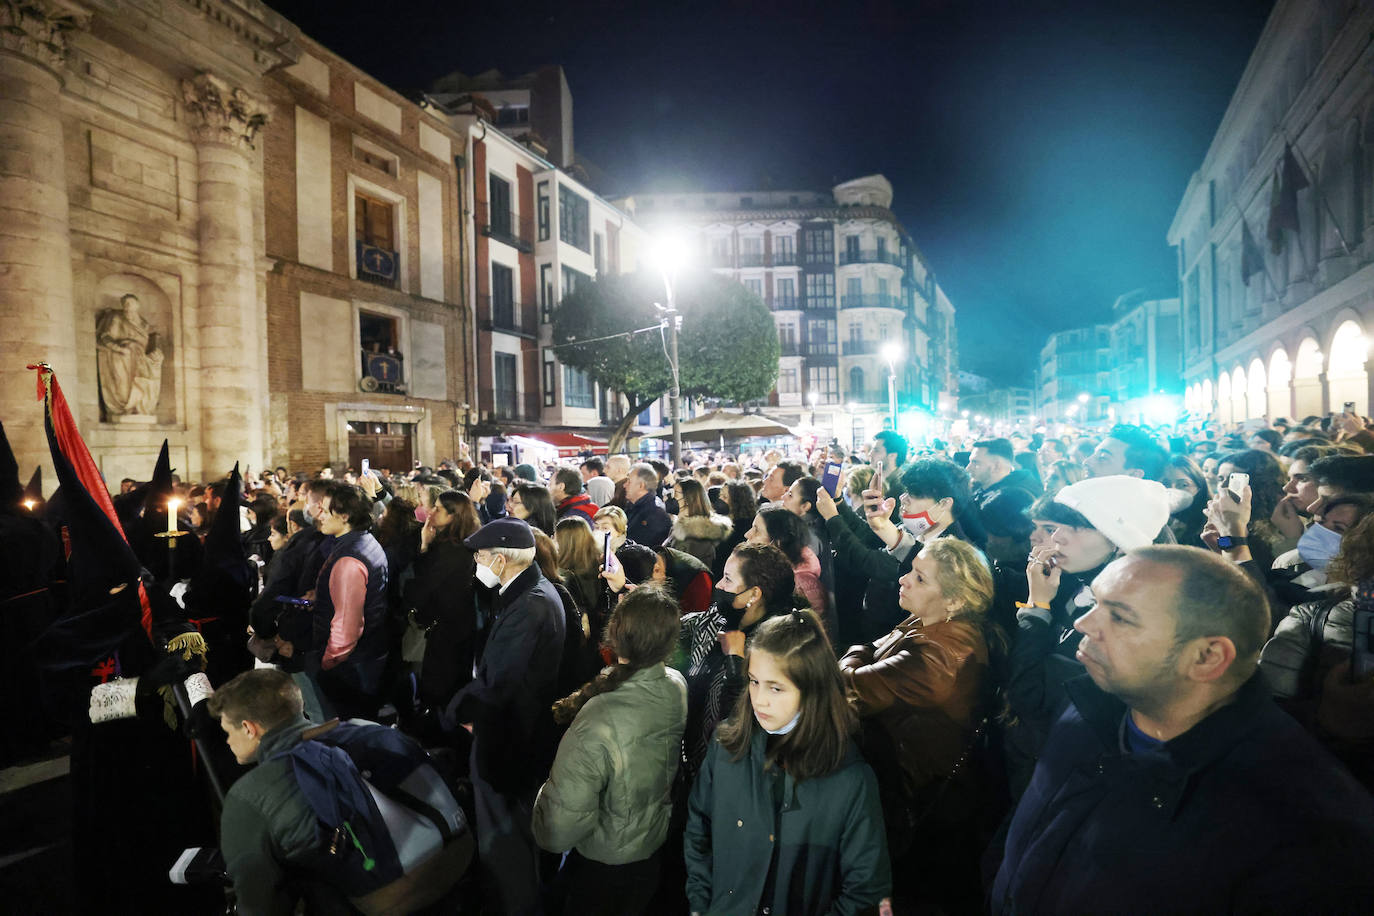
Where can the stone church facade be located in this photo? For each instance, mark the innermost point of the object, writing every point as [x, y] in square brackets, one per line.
[180, 188]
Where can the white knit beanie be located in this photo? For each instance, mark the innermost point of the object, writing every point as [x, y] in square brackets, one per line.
[1128, 511]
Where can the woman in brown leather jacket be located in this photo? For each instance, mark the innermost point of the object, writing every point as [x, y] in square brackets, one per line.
[921, 691]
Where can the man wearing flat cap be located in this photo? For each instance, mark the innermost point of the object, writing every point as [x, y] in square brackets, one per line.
[507, 707]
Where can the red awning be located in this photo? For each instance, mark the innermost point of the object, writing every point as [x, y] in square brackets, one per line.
[569, 443]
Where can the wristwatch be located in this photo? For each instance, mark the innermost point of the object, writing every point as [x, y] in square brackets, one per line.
[1226, 542]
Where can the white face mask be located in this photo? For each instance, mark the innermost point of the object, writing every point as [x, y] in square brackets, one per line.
[918, 523]
[1318, 545]
[487, 576]
[786, 728]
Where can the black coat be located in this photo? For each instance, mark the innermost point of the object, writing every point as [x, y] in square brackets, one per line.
[647, 522]
[439, 597]
[509, 702]
[1242, 813]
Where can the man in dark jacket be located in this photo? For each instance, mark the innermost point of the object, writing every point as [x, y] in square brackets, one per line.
[648, 522]
[992, 468]
[1173, 783]
[568, 498]
[507, 707]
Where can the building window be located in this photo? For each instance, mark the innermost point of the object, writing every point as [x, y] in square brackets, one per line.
[374, 228]
[571, 278]
[542, 209]
[545, 292]
[787, 381]
[755, 287]
[577, 388]
[502, 297]
[720, 251]
[751, 251]
[882, 248]
[853, 291]
[825, 381]
[819, 246]
[851, 249]
[856, 380]
[820, 291]
[505, 388]
[784, 250]
[786, 296]
[550, 377]
[382, 359]
[882, 288]
[498, 202]
[820, 337]
[512, 115]
[574, 219]
[599, 253]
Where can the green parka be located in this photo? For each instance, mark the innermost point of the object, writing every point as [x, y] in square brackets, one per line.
[609, 793]
[831, 844]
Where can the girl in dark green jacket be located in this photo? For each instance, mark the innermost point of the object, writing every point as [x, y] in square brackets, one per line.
[784, 817]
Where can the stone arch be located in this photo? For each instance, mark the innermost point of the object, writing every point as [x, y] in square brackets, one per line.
[1346, 378]
[1190, 398]
[1239, 410]
[1205, 398]
[1256, 391]
[1225, 407]
[1307, 370]
[1280, 389]
[856, 379]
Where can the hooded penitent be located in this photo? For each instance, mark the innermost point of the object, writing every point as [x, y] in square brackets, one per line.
[223, 586]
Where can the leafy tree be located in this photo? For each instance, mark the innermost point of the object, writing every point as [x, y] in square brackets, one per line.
[727, 348]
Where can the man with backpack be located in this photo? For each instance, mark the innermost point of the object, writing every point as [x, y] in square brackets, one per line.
[306, 824]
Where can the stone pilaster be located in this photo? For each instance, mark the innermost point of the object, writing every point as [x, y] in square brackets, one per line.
[224, 121]
[37, 314]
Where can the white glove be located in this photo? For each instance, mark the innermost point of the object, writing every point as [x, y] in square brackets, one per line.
[198, 688]
[113, 700]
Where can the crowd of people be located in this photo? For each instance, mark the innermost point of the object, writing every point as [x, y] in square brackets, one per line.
[1124, 672]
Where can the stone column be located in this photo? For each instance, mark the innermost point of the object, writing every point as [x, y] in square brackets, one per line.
[224, 121]
[37, 314]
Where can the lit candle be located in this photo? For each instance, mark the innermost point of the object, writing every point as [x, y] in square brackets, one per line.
[172, 515]
[28, 504]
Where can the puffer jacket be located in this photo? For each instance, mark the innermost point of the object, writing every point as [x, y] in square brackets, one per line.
[700, 535]
[1292, 657]
[923, 685]
[267, 830]
[608, 793]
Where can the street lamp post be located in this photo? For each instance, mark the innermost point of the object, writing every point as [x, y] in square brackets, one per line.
[674, 322]
[813, 397]
[670, 252]
[891, 352]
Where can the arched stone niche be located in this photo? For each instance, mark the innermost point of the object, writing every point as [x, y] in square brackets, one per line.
[158, 403]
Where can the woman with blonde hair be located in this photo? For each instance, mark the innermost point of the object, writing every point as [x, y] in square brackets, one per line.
[923, 690]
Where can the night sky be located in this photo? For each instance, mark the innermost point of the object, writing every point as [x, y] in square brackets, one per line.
[1037, 150]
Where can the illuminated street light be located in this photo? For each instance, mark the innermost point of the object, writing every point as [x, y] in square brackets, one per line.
[813, 397]
[891, 352]
[1083, 398]
[669, 253]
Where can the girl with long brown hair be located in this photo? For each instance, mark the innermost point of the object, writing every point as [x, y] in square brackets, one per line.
[785, 816]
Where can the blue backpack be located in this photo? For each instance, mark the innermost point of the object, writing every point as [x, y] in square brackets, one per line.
[381, 809]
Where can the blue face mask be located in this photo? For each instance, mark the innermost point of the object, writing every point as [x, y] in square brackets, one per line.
[1318, 545]
[786, 728]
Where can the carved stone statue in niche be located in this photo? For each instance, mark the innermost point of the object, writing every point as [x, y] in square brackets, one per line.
[129, 361]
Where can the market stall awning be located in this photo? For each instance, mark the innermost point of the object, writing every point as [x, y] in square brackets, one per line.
[727, 423]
